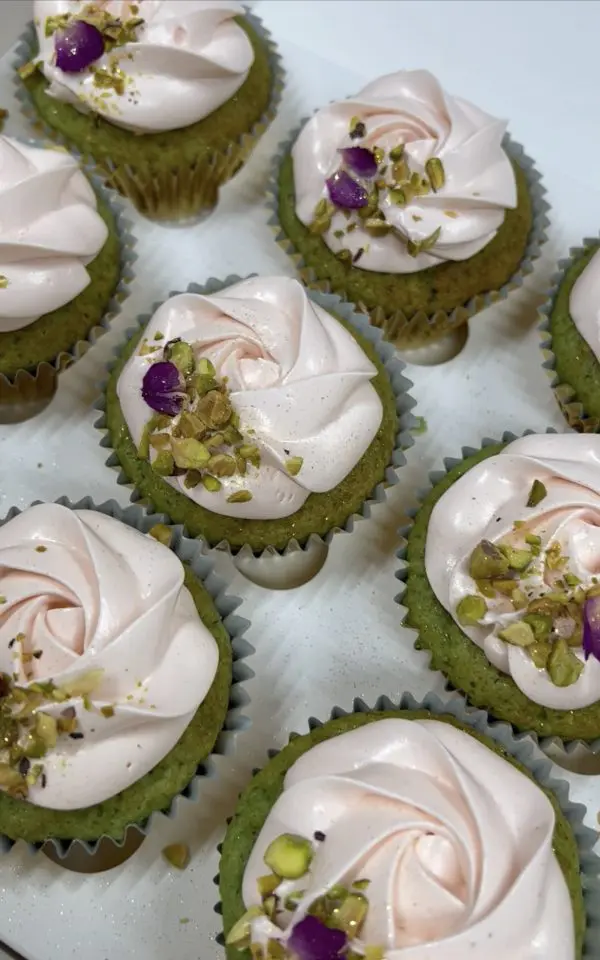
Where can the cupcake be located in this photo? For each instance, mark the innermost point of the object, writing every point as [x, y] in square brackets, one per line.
[502, 582]
[62, 254]
[412, 204]
[395, 833]
[256, 415]
[570, 338]
[167, 98]
[115, 669]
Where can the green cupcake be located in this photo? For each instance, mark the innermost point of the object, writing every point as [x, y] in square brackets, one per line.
[168, 107]
[68, 257]
[569, 337]
[501, 582]
[411, 223]
[275, 417]
[319, 839]
[116, 683]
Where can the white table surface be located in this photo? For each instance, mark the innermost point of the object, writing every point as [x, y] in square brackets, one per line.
[535, 62]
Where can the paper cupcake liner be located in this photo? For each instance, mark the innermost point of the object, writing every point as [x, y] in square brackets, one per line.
[419, 329]
[183, 196]
[566, 397]
[27, 391]
[524, 749]
[407, 423]
[191, 553]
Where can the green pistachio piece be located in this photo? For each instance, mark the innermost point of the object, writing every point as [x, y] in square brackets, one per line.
[563, 667]
[471, 610]
[46, 729]
[324, 208]
[350, 915]
[215, 409]
[377, 227]
[396, 153]
[415, 247]
[107, 712]
[35, 748]
[190, 425]
[205, 368]
[9, 777]
[82, 685]
[400, 171]
[204, 384]
[163, 464]
[519, 599]
[544, 606]
[289, 856]
[485, 588]
[232, 435]
[319, 226]
[517, 559]
[505, 586]
[240, 496]
[268, 884]
[192, 479]
[275, 950]
[242, 466]
[221, 465]
[189, 454]
[557, 596]
[361, 884]
[181, 354]
[540, 623]
[374, 953]
[536, 494]
[239, 935]
[539, 653]
[161, 532]
[160, 441]
[294, 465]
[270, 906]
[434, 168]
[554, 559]
[249, 451]
[533, 539]
[217, 440]
[177, 854]
[211, 483]
[156, 422]
[399, 196]
[572, 580]
[519, 634]
[487, 562]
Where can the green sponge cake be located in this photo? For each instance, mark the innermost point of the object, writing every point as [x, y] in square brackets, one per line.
[177, 99]
[65, 263]
[115, 684]
[573, 328]
[331, 840]
[419, 229]
[253, 415]
[502, 585]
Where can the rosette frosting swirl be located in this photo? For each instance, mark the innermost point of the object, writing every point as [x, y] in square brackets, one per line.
[584, 304]
[427, 815]
[187, 59]
[50, 231]
[490, 502]
[409, 110]
[81, 592]
[297, 379]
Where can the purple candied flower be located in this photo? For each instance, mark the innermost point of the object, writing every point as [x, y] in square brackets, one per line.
[162, 388]
[360, 160]
[591, 628]
[346, 192]
[312, 940]
[77, 46]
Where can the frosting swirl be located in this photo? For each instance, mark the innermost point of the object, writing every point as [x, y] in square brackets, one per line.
[584, 304]
[299, 382]
[50, 231]
[426, 813]
[410, 109]
[84, 592]
[484, 505]
[189, 58]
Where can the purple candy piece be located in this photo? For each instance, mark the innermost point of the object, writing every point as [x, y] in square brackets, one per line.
[591, 628]
[360, 160]
[312, 940]
[162, 388]
[77, 46]
[346, 192]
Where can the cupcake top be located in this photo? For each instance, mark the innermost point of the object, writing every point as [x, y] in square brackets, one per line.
[584, 304]
[403, 176]
[147, 66]
[511, 554]
[402, 838]
[261, 397]
[103, 657]
[50, 230]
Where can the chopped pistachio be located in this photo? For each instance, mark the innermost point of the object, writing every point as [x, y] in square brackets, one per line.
[517, 559]
[239, 935]
[350, 915]
[572, 580]
[519, 634]
[82, 685]
[9, 777]
[319, 226]
[536, 494]
[294, 465]
[177, 854]
[164, 464]
[400, 171]
[3, 282]
[240, 496]
[192, 479]
[46, 729]
[204, 384]
[434, 168]
[216, 440]
[540, 623]
[190, 425]
[56, 22]
[487, 561]
[268, 884]
[289, 856]
[471, 610]
[189, 454]
[396, 153]
[249, 451]
[539, 653]
[107, 712]
[181, 354]
[593, 591]
[377, 227]
[205, 368]
[415, 247]
[563, 667]
[211, 483]
[159, 441]
[532, 539]
[519, 600]
[373, 953]
[270, 906]
[221, 465]
[398, 196]
[162, 533]
[215, 408]
[379, 155]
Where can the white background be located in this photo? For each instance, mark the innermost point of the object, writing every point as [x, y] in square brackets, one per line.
[339, 636]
